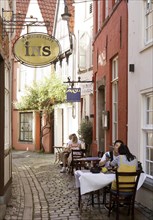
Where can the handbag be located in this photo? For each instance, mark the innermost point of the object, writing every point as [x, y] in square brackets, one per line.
[95, 169]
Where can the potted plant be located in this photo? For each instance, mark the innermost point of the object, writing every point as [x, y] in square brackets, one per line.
[85, 134]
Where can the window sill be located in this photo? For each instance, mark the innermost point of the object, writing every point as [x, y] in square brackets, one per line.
[147, 46]
[25, 142]
[148, 184]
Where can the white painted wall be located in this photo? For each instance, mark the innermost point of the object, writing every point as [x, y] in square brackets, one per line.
[139, 82]
[70, 110]
[84, 25]
[141, 79]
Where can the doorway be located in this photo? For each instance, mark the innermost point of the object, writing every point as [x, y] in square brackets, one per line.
[101, 108]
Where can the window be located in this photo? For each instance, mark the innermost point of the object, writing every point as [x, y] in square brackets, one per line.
[84, 42]
[88, 9]
[26, 122]
[91, 48]
[148, 133]
[99, 14]
[7, 109]
[115, 98]
[82, 57]
[148, 21]
[106, 8]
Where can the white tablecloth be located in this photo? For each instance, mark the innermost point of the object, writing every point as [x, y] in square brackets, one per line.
[89, 182]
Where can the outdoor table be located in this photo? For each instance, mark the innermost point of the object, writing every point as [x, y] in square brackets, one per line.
[87, 182]
[58, 150]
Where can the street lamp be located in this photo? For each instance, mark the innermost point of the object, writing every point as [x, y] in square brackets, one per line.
[66, 15]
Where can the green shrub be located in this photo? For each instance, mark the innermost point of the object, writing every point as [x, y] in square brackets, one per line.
[85, 133]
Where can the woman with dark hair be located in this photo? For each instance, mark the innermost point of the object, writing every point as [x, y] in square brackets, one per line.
[125, 162]
[125, 159]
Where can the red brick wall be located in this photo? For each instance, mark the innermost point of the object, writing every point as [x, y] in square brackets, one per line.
[113, 38]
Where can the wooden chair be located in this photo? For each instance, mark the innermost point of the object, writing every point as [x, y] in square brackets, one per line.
[76, 154]
[126, 186]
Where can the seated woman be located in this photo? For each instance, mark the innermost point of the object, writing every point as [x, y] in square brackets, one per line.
[66, 154]
[125, 162]
[125, 157]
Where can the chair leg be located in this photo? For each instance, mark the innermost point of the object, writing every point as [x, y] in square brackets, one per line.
[129, 208]
[133, 208]
[79, 197]
[72, 171]
[117, 210]
[110, 204]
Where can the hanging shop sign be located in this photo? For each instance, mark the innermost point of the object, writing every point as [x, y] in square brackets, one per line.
[36, 49]
[73, 94]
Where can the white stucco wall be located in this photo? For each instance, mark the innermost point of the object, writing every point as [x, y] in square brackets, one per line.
[139, 82]
[141, 79]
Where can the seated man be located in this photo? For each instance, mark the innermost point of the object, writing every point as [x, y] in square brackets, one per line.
[110, 155]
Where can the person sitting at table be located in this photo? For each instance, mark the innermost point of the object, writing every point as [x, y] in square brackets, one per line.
[66, 154]
[125, 162]
[65, 149]
[110, 155]
[125, 158]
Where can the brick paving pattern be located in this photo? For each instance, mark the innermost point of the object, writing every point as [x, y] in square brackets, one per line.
[41, 192]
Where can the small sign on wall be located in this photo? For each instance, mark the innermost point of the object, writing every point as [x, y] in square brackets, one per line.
[73, 95]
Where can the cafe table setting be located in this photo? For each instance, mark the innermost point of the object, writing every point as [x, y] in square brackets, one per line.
[87, 181]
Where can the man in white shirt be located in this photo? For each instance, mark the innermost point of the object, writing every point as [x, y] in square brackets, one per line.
[110, 155]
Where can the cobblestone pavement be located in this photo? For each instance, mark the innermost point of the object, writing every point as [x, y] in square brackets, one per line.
[41, 192]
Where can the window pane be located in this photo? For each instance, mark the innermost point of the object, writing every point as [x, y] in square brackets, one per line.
[26, 121]
[149, 168]
[115, 68]
[149, 154]
[150, 110]
[150, 139]
[115, 98]
[106, 8]
[149, 21]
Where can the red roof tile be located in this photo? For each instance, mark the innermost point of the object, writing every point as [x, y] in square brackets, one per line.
[47, 8]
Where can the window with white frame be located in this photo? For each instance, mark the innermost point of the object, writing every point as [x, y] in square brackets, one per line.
[7, 109]
[26, 126]
[115, 98]
[84, 42]
[85, 50]
[88, 9]
[106, 8]
[148, 21]
[148, 133]
[91, 48]
[98, 14]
